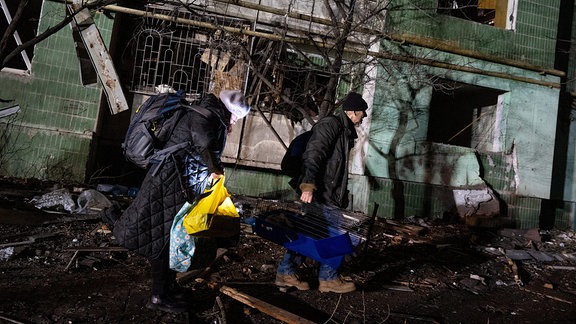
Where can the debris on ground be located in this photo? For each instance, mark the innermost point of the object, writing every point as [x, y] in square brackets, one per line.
[59, 264]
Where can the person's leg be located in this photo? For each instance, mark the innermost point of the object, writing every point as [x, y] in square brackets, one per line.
[333, 217]
[286, 272]
[290, 262]
[163, 279]
[328, 278]
[176, 291]
[159, 277]
[330, 281]
[326, 272]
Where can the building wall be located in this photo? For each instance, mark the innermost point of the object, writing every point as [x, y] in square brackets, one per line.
[405, 174]
[533, 41]
[409, 176]
[400, 125]
[50, 138]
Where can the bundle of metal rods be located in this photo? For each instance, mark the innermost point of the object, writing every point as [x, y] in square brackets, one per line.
[313, 224]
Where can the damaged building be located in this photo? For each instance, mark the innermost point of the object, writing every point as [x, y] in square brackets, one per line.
[470, 101]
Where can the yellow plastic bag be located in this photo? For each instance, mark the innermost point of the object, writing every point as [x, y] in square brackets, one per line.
[214, 215]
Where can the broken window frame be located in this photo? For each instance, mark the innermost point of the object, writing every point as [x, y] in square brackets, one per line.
[295, 76]
[292, 59]
[478, 126]
[299, 77]
[499, 14]
[26, 30]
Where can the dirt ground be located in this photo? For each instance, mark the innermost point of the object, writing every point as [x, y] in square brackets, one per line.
[58, 266]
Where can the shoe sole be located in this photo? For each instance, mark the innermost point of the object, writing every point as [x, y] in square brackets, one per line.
[285, 285]
[336, 291]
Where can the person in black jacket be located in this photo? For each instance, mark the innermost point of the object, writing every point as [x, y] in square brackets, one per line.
[323, 187]
[145, 225]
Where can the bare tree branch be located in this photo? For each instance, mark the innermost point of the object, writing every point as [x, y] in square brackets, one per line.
[47, 33]
[12, 27]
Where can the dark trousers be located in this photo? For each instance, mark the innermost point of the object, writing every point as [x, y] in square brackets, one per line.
[163, 278]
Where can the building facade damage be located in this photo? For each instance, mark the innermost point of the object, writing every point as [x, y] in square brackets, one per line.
[466, 113]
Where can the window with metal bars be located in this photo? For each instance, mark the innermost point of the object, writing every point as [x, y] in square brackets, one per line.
[187, 57]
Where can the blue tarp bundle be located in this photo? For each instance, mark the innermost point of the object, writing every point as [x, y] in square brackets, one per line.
[308, 235]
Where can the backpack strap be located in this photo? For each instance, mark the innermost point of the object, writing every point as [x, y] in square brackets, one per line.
[201, 110]
[161, 156]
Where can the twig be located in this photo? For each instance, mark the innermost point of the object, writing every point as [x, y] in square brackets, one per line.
[71, 260]
[334, 311]
[415, 317]
[415, 284]
[222, 310]
[363, 306]
[10, 320]
[547, 296]
[561, 267]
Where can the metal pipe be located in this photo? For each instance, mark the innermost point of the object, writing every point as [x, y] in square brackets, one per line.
[354, 51]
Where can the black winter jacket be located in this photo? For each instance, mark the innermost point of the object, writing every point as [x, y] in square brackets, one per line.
[325, 161]
[145, 225]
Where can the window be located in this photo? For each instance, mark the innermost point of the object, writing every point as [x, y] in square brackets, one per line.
[186, 57]
[26, 29]
[299, 79]
[464, 115]
[497, 13]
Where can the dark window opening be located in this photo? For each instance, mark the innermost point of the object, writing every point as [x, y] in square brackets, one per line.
[299, 79]
[488, 12]
[27, 28]
[463, 115]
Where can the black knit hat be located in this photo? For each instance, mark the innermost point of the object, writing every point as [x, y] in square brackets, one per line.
[354, 102]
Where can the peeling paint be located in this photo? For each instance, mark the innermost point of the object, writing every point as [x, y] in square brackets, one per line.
[480, 203]
[514, 164]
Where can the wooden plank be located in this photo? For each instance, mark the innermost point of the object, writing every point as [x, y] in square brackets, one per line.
[276, 312]
[102, 61]
[500, 20]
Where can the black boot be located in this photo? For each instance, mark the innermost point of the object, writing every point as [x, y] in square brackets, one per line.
[166, 304]
[162, 278]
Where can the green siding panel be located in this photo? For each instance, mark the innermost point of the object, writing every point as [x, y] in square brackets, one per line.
[532, 41]
[51, 137]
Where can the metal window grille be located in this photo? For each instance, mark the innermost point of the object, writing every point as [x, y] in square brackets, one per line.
[184, 56]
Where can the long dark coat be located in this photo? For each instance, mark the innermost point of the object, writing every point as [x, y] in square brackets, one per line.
[145, 225]
[325, 161]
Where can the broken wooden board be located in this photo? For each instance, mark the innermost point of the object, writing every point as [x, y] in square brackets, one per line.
[276, 312]
[101, 59]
